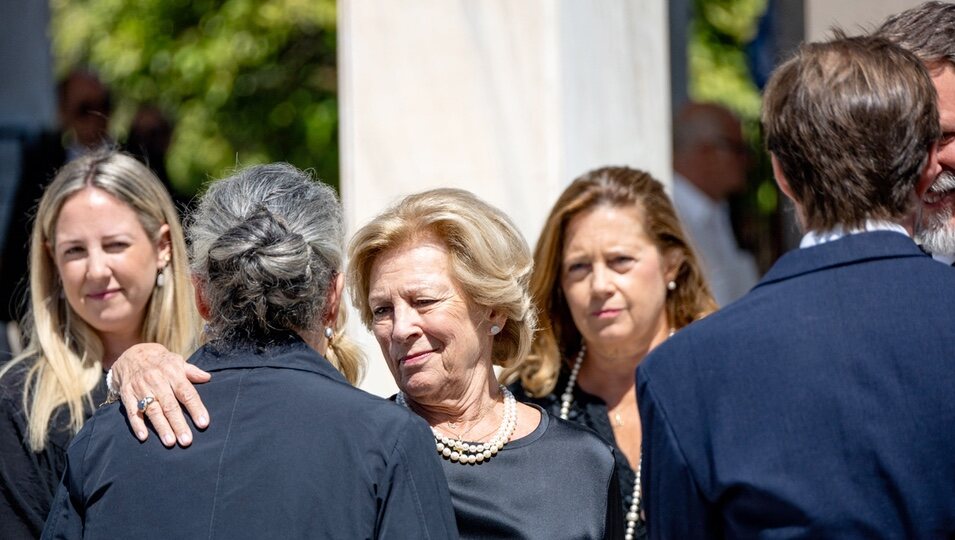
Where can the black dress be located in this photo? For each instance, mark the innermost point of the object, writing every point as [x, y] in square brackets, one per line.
[293, 451]
[557, 482]
[591, 411]
[28, 479]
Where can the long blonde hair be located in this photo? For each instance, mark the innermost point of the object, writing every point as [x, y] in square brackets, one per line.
[63, 357]
[618, 187]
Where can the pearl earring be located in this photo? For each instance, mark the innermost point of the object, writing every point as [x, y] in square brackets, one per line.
[495, 329]
[329, 333]
[161, 278]
[671, 285]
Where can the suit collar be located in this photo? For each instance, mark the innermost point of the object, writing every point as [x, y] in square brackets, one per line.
[851, 249]
[285, 352]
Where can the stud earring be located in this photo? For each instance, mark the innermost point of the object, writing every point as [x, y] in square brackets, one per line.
[671, 285]
[329, 333]
[495, 329]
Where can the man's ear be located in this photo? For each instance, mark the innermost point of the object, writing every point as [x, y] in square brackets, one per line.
[201, 305]
[787, 190]
[780, 177]
[931, 170]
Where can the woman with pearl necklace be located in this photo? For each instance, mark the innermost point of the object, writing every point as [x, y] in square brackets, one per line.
[614, 276]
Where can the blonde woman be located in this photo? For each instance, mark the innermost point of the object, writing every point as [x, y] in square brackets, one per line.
[107, 270]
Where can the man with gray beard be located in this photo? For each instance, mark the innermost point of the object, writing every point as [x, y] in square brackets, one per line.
[928, 31]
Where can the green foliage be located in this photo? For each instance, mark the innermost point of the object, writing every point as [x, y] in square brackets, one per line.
[717, 64]
[245, 81]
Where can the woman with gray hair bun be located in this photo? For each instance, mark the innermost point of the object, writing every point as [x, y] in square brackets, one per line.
[296, 451]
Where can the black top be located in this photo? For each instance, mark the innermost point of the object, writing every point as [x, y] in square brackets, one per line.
[294, 451]
[557, 482]
[590, 411]
[28, 479]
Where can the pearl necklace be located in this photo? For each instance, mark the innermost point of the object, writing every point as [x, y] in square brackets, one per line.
[633, 514]
[472, 454]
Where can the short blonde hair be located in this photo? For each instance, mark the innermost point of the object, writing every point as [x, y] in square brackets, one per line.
[614, 187]
[489, 260]
[64, 354]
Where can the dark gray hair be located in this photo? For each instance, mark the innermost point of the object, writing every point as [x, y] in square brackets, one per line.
[266, 245]
[926, 30]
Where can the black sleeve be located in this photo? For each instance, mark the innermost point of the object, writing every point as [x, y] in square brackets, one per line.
[67, 512]
[27, 479]
[415, 501]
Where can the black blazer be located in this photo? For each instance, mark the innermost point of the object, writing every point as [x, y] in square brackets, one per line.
[293, 451]
[820, 405]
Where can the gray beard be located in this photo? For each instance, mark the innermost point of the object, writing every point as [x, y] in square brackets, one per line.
[937, 229]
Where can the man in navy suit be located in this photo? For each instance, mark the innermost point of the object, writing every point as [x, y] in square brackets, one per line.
[822, 404]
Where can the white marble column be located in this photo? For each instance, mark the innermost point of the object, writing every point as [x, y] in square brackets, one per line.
[509, 99]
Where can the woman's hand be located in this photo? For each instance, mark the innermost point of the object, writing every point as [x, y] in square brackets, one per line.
[149, 369]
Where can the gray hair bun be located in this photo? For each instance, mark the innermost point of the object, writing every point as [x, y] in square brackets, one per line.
[267, 243]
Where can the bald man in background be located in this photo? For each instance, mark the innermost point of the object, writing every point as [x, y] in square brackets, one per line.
[709, 163]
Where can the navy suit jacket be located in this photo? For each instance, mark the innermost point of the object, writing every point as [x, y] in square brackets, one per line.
[820, 405]
[293, 451]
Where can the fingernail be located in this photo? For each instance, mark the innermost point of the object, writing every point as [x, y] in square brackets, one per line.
[169, 439]
[185, 439]
[141, 435]
[203, 421]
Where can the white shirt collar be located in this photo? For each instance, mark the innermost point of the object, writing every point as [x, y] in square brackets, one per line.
[943, 258]
[814, 238]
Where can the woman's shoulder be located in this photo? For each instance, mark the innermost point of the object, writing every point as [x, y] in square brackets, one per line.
[14, 378]
[577, 438]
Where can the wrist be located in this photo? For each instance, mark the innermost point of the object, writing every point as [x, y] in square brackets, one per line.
[112, 389]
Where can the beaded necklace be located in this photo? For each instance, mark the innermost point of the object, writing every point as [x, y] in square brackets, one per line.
[466, 453]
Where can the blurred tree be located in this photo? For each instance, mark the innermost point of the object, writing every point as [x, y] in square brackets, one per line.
[719, 72]
[246, 81]
[719, 32]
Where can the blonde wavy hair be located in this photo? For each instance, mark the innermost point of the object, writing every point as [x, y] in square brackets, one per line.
[63, 356]
[489, 260]
[609, 186]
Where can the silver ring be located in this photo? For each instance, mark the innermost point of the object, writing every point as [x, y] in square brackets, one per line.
[143, 403]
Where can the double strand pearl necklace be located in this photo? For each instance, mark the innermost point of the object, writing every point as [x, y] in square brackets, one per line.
[472, 454]
[633, 514]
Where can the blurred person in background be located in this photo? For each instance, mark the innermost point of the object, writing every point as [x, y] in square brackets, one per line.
[84, 106]
[150, 134]
[710, 162]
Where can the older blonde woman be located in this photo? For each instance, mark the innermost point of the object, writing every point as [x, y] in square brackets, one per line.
[107, 270]
[441, 280]
[614, 276]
